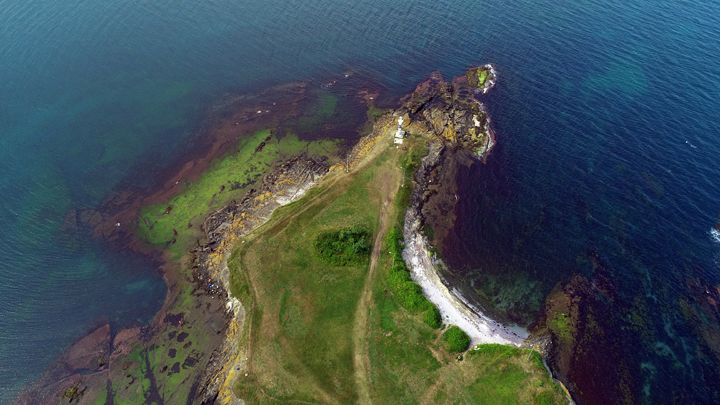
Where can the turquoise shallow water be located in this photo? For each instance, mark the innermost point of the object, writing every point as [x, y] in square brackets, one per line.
[606, 110]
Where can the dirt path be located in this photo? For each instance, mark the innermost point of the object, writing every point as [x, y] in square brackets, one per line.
[330, 192]
[388, 187]
[330, 187]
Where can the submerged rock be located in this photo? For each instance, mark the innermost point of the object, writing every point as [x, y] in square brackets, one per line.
[579, 315]
[66, 381]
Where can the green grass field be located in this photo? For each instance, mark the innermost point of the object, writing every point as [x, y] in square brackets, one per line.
[303, 305]
[303, 312]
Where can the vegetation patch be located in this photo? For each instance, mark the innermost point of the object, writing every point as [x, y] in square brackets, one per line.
[405, 290]
[345, 246]
[176, 222]
[560, 325]
[455, 339]
[478, 76]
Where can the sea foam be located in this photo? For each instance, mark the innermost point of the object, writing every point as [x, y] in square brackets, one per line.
[715, 234]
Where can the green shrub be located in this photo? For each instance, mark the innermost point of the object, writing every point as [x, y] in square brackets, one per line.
[456, 340]
[344, 247]
[432, 317]
[408, 294]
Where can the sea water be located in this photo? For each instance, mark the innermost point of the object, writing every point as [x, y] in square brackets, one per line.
[606, 114]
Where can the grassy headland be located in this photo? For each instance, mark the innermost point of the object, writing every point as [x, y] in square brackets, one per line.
[329, 311]
[318, 331]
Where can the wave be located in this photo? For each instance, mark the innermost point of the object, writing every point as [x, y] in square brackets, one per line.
[715, 234]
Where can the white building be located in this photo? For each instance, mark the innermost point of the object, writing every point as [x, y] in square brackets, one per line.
[400, 133]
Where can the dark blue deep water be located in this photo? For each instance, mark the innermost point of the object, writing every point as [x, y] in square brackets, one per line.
[607, 113]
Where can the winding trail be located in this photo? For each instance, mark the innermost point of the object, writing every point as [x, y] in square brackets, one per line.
[331, 189]
[388, 187]
[328, 188]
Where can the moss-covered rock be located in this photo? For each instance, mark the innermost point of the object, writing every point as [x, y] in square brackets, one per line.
[73, 393]
[451, 111]
[479, 77]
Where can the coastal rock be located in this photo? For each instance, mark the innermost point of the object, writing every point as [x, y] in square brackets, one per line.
[91, 352]
[481, 78]
[66, 381]
[452, 112]
[578, 317]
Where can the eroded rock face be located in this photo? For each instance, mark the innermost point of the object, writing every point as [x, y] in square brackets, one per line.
[452, 114]
[451, 111]
[286, 182]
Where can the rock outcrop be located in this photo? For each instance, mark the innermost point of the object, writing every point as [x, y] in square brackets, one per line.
[458, 127]
[452, 112]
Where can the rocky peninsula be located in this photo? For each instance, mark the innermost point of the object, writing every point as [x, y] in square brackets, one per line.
[256, 313]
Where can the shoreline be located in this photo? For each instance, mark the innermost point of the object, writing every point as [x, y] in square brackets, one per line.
[204, 271]
[213, 312]
[453, 307]
[453, 117]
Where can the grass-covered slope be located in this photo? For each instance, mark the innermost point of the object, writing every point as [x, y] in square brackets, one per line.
[167, 366]
[301, 305]
[172, 222]
[321, 331]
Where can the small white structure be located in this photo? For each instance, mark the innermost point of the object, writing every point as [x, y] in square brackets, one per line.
[400, 133]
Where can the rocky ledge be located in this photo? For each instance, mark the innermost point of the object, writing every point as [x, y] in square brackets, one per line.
[286, 183]
[452, 112]
[457, 124]
[223, 228]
